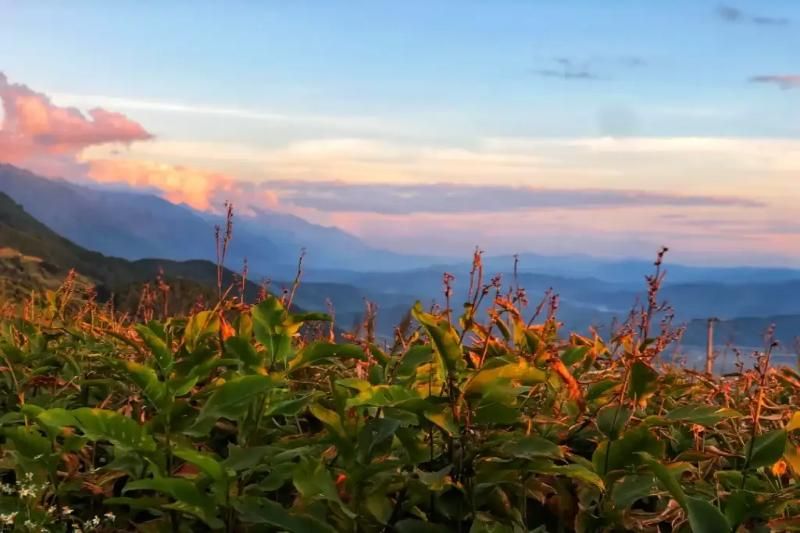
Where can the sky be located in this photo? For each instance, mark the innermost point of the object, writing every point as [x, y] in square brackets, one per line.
[430, 127]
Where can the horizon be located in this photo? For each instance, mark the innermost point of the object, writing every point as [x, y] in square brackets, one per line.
[521, 128]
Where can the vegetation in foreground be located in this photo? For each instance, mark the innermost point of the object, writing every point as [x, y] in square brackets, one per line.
[252, 418]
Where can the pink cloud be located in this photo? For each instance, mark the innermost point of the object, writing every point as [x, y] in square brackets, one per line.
[201, 189]
[48, 139]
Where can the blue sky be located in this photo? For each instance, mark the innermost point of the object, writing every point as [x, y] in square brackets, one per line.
[645, 96]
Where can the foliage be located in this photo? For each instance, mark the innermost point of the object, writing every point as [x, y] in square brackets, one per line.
[241, 418]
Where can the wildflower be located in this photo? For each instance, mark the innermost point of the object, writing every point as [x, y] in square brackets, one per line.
[37, 457]
[51, 509]
[111, 516]
[8, 519]
[67, 510]
[29, 524]
[779, 468]
[26, 492]
[6, 488]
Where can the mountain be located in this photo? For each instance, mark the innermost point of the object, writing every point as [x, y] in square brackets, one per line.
[34, 257]
[135, 226]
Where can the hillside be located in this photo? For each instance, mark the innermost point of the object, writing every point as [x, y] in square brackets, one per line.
[134, 226]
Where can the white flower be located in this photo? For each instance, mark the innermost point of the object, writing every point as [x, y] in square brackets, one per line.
[26, 492]
[29, 476]
[6, 489]
[8, 519]
[29, 524]
[51, 509]
[66, 509]
[37, 457]
[111, 516]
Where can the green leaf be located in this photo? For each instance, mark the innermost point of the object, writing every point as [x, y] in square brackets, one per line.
[146, 379]
[385, 396]
[232, 397]
[157, 346]
[522, 372]
[28, 442]
[445, 340]
[643, 380]
[318, 351]
[205, 462]
[201, 326]
[665, 476]
[254, 510]
[574, 355]
[183, 491]
[704, 415]
[766, 449]
[632, 488]
[121, 431]
[611, 420]
[531, 447]
[312, 480]
[619, 454]
[244, 351]
[705, 518]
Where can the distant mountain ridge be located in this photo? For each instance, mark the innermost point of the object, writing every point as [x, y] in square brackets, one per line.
[135, 226]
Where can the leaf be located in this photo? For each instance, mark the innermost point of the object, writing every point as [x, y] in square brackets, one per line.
[445, 340]
[574, 355]
[443, 418]
[667, 479]
[312, 480]
[642, 381]
[794, 422]
[254, 510]
[330, 418]
[244, 351]
[766, 449]
[522, 372]
[146, 379]
[611, 420]
[157, 346]
[531, 447]
[318, 351]
[121, 431]
[200, 327]
[230, 398]
[205, 462]
[619, 454]
[633, 488]
[182, 490]
[705, 518]
[385, 396]
[28, 442]
[704, 415]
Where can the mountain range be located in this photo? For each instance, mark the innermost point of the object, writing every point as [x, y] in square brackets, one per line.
[119, 238]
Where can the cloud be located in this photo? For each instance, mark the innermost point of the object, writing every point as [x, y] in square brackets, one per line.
[48, 139]
[568, 70]
[200, 189]
[784, 81]
[735, 15]
[361, 123]
[455, 198]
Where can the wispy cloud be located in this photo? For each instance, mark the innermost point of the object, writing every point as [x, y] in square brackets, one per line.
[587, 69]
[784, 81]
[132, 104]
[735, 15]
[456, 198]
[568, 69]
